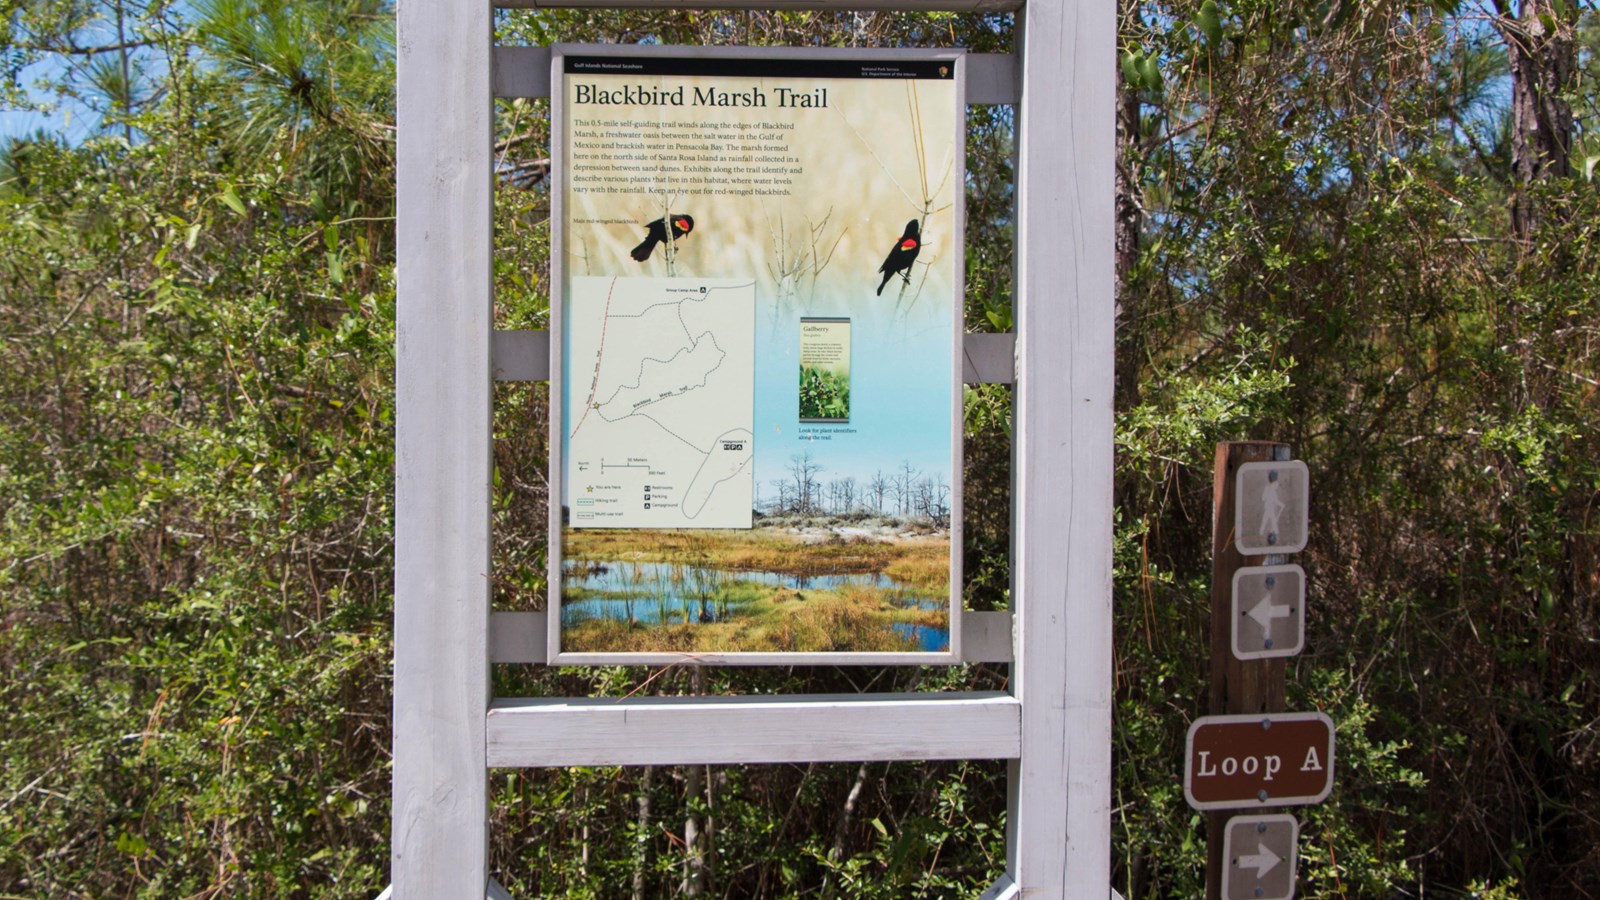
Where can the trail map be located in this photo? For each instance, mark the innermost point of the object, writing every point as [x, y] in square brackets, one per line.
[661, 402]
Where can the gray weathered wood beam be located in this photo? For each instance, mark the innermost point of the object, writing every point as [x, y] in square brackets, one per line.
[972, 6]
[443, 437]
[525, 356]
[752, 729]
[1059, 827]
[525, 72]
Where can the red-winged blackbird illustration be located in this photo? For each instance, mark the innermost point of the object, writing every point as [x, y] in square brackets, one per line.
[657, 232]
[902, 256]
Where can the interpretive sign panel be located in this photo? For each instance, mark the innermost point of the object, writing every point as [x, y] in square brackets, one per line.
[1260, 854]
[756, 387]
[1272, 759]
[1269, 611]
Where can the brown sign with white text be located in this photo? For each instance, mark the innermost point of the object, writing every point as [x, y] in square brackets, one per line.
[1272, 759]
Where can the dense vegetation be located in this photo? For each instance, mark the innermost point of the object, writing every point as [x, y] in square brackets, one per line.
[1365, 229]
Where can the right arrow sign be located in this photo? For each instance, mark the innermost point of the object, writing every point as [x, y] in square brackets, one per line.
[1259, 854]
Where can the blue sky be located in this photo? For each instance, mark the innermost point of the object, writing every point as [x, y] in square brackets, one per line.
[68, 118]
[71, 120]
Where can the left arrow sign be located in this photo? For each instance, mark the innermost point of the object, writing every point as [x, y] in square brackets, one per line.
[1264, 612]
[1269, 605]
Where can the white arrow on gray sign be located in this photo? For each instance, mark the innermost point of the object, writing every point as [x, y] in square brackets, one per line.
[1271, 504]
[1258, 857]
[1269, 611]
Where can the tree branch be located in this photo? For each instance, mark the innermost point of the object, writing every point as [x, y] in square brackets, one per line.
[71, 49]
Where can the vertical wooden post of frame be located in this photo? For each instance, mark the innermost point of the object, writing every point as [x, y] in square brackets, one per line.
[439, 839]
[1060, 818]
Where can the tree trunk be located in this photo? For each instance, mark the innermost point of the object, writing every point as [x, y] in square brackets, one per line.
[1129, 224]
[583, 832]
[126, 100]
[1542, 54]
[694, 861]
[841, 827]
[694, 839]
[641, 847]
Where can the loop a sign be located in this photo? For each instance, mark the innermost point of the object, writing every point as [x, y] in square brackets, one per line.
[1269, 759]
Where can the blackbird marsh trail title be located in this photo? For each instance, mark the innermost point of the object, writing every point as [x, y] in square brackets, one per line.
[638, 95]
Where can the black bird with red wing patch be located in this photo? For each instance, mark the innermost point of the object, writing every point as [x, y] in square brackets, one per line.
[902, 256]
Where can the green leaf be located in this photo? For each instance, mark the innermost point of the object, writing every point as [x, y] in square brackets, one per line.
[231, 197]
[1209, 21]
[1150, 73]
[1130, 69]
[132, 844]
[1588, 167]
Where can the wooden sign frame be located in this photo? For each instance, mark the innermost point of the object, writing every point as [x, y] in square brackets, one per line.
[1052, 723]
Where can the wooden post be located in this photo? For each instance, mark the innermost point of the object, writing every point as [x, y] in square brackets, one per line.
[1237, 686]
[439, 827]
[1059, 827]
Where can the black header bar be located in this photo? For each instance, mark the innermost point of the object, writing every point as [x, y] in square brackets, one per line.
[771, 67]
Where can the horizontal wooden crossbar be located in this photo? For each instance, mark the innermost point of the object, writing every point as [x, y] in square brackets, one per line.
[525, 72]
[525, 356]
[753, 729]
[973, 6]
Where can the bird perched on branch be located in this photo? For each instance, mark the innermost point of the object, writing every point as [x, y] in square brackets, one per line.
[902, 256]
[656, 232]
